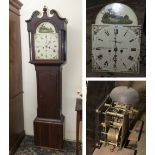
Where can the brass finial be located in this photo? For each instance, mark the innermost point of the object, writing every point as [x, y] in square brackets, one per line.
[45, 9]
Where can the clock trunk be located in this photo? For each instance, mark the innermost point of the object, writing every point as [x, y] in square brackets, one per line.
[49, 91]
[48, 125]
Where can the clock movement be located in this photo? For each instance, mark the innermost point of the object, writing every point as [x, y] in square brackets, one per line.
[116, 39]
[47, 44]
[116, 116]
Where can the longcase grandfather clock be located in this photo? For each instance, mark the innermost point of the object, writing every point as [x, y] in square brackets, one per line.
[47, 41]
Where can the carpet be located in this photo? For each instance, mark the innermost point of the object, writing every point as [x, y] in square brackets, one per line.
[27, 147]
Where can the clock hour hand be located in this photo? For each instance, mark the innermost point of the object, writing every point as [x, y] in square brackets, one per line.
[47, 44]
[99, 48]
[115, 55]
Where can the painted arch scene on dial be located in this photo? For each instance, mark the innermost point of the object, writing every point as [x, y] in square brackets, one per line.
[116, 39]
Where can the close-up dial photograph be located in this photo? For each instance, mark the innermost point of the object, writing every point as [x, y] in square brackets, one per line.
[115, 38]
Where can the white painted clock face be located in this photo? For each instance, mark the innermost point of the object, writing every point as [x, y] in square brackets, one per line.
[115, 48]
[46, 42]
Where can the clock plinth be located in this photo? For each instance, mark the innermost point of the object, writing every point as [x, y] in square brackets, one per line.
[49, 132]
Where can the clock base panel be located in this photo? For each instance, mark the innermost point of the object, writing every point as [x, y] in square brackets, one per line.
[49, 133]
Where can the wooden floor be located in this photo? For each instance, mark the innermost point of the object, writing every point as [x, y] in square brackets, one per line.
[106, 151]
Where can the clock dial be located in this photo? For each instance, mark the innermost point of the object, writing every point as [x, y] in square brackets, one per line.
[46, 42]
[115, 48]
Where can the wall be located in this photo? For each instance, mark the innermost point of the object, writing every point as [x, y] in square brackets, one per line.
[72, 70]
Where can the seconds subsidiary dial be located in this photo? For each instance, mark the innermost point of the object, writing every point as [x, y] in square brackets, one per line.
[115, 48]
[46, 42]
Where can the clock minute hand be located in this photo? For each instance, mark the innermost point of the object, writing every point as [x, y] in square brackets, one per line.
[115, 41]
[115, 50]
[47, 44]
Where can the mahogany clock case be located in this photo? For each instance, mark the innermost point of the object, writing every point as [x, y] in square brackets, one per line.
[49, 123]
[93, 8]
